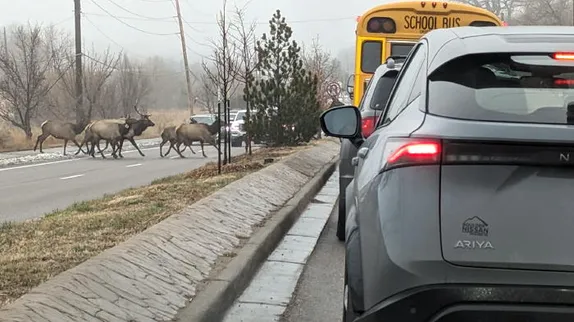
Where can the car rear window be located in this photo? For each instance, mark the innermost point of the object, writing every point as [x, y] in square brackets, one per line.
[401, 49]
[503, 87]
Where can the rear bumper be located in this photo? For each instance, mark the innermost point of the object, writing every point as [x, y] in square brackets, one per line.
[474, 303]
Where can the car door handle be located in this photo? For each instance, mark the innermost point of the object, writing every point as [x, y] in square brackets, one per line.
[355, 161]
[363, 152]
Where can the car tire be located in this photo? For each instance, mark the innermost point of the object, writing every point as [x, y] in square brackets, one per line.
[236, 143]
[348, 311]
[342, 218]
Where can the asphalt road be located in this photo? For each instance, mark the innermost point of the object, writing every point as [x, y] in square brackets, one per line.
[319, 293]
[32, 190]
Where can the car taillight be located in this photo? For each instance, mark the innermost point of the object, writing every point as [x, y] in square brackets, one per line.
[368, 125]
[408, 152]
[563, 56]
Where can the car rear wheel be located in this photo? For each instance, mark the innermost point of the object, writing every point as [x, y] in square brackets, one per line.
[348, 312]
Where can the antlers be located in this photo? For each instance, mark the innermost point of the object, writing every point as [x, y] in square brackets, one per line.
[137, 111]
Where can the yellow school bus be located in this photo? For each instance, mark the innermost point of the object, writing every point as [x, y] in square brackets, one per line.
[392, 29]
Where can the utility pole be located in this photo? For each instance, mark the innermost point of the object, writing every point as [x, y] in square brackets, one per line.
[80, 117]
[5, 42]
[185, 62]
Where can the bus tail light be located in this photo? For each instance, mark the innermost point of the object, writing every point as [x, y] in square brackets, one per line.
[381, 25]
[368, 125]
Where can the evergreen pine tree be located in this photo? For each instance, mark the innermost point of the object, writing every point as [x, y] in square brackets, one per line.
[281, 93]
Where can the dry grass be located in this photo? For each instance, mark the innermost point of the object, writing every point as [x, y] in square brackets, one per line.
[34, 251]
[13, 139]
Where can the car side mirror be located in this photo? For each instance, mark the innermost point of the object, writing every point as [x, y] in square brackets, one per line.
[342, 122]
[351, 84]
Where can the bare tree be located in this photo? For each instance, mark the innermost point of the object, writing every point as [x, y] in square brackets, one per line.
[223, 66]
[97, 70]
[207, 93]
[325, 67]
[109, 106]
[244, 36]
[134, 84]
[167, 82]
[546, 12]
[502, 8]
[27, 58]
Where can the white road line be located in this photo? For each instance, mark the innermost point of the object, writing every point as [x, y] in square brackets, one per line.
[61, 161]
[68, 160]
[72, 177]
[133, 165]
[37, 165]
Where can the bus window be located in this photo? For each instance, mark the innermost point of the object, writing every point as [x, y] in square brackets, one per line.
[480, 23]
[401, 49]
[371, 56]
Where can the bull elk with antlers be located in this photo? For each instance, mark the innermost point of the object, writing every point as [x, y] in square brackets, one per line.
[136, 128]
[129, 130]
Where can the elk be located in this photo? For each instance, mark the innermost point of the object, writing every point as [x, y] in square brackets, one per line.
[60, 130]
[110, 130]
[186, 134]
[136, 128]
[90, 138]
[168, 135]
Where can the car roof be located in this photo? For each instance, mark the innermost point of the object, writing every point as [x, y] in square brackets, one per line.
[447, 44]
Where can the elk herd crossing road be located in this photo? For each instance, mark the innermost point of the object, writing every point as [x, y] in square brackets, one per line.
[32, 190]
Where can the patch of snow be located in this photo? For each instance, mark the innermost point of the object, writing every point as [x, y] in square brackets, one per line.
[27, 157]
[33, 158]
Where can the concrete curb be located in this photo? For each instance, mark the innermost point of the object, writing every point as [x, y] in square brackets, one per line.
[212, 303]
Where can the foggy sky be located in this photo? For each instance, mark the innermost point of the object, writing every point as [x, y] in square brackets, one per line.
[333, 21]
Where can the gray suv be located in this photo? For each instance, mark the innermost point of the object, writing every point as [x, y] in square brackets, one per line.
[461, 204]
[371, 105]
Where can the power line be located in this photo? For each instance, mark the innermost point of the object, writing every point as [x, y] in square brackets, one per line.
[287, 21]
[108, 37]
[198, 43]
[137, 14]
[189, 25]
[64, 20]
[131, 71]
[194, 10]
[170, 19]
[103, 33]
[127, 24]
